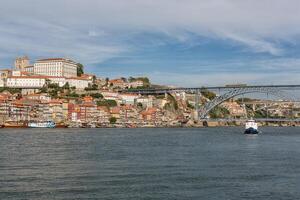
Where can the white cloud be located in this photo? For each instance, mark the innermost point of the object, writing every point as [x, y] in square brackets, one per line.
[249, 22]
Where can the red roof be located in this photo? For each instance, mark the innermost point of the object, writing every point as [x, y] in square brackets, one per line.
[115, 110]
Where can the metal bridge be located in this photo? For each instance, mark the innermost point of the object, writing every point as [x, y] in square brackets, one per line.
[199, 89]
[229, 92]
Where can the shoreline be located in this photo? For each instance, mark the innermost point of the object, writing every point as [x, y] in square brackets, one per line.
[208, 125]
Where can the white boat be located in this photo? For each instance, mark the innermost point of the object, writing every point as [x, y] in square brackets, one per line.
[46, 124]
[251, 127]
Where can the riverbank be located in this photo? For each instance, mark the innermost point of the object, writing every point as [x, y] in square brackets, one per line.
[189, 125]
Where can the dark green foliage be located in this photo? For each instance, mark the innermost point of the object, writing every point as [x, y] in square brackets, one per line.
[139, 105]
[240, 100]
[173, 102]
[73, 94]
[53, 86]
[208, 94]
[145, 80]
[80, 69]
[92, 87]
[190, 105]
[66, 86]
[112, 120]
[107, 103]
[219, 112]
[96, 95]
[10, 90]
[53, 93]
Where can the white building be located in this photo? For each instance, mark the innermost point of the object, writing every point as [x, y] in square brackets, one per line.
[147, 102]
[128, 99]
[38, 81]
[136, 84]
[79, 82]
[29, 69]
[25, 81]
[55, 67]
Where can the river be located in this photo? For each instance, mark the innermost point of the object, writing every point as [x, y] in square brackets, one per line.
[175, 163]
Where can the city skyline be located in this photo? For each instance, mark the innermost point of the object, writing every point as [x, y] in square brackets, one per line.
[207, 43]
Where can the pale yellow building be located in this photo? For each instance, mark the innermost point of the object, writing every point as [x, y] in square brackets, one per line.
[21, 63]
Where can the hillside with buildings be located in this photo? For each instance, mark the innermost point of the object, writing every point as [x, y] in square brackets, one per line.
[58, 89]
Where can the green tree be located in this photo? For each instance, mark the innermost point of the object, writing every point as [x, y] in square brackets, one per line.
[96, 95]
[112, 120]
[66, 86]
[208, 94]
[80, 69]
[107, 103]
[219, 112]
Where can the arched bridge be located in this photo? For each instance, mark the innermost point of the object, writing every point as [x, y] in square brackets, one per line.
[230, 92]
[204, 110]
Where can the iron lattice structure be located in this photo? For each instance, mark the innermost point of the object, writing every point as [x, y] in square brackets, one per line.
[204, 110]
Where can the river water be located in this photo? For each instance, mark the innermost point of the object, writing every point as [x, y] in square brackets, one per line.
[205, 163]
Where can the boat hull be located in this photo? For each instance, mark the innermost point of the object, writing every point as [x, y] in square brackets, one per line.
[251, 131]
[49, 124]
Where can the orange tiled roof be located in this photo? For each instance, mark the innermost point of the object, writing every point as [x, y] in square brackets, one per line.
[115, 110]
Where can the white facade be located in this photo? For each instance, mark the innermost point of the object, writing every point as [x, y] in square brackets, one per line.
[55, 67]
[29, 69]
[79, 83]
[25, 82]
[136, 84]
[2, 82]
[39, 81]
[128, 99]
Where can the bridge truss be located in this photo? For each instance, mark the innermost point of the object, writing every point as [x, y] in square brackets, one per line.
[204, 110]
[230, 92]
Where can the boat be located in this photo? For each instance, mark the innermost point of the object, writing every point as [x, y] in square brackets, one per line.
[251, 127]
[46, 124]
[14, 124]
[61, 125]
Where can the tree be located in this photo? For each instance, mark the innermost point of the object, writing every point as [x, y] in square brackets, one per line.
[107, 103]
[97, 95]
[80, 69]
[208, 94]
[66, 86]
[73, 94]
[112, 120]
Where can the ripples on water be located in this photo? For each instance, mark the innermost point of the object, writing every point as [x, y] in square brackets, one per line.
[206, 163]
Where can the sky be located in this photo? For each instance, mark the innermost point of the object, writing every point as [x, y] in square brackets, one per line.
[189, 43]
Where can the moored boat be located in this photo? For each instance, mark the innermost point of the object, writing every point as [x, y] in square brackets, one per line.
[15, 124]
[251, 127]
[46, 124]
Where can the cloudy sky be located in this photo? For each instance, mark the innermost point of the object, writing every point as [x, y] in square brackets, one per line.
[175, 42]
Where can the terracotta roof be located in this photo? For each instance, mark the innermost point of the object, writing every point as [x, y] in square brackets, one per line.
[78, 78]
[56, 101]
[116, 81]
[5, 70]
[115, 110]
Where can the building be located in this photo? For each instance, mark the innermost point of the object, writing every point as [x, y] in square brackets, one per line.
[79, 82]
[118, 83]
[21, 63]
[136, 84]
[29, 69]
[4, 73]
[25, 81]
[55, 67]
[128, 99]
